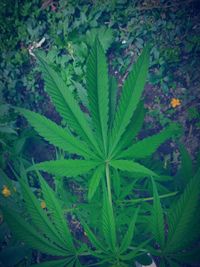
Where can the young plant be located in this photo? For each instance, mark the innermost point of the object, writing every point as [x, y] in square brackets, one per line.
[105, 148]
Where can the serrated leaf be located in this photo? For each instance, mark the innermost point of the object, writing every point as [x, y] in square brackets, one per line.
[129, 234]
[131, 255]
[70, 168]
[181, 217]
[55, 134]
[132, 130]
[104, 34]
[112, 98]
[131, 166]
[116, 182]
[56, 214]
[127, 189]
[149, 145]
[66, 104]
[25, 232]
[94, 182]
[97, 89]
[131, 93]
[95, 242]
[39, 216]
[108, 223]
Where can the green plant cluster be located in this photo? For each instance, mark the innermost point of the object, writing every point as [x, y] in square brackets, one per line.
[69, 29]
[65, 25]
[127, 212]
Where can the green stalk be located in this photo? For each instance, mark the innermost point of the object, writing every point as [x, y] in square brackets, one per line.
[108, 183]
[134, 201]
[112, 219]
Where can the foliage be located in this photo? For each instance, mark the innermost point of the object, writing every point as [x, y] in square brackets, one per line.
[13, 252]
[119, 224]
[69, 28]
[123, 28]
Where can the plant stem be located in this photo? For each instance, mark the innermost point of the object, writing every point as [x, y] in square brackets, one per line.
[134, 201]
[108, 183]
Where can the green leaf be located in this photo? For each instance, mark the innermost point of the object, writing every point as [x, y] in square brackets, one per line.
[81, 92]
[132, 130]
[77, 263]
[131, 93]
[56, 214]
[135, 252]
[108, 223]
[55, 134]
[94, 182]
[129, 234]
[149, 145]
[131, 166]
[70, 168]
[97, 89]
[104, 34]
[25, 232]
[116, 182]
[157, 224]
[112, 98]
[128, 189]
[95, 242]
[39, 216]
[66, 104]
[182, 216]
[7, 129]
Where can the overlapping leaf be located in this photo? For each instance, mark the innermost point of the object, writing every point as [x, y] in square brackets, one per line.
[93, 238]
[129, 234]
[66, 104]
[27, 233]
[56, 214]
[38, 216]
[55, 134]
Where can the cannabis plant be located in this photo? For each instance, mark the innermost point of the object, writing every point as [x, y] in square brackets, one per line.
[104, 155]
